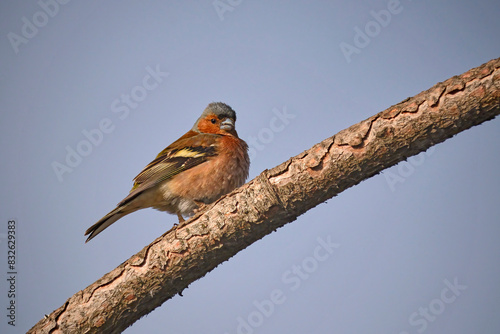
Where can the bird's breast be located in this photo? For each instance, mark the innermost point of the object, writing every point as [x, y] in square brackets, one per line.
[217, 176]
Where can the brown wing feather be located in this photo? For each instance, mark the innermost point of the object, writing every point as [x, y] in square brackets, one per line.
[178, 157]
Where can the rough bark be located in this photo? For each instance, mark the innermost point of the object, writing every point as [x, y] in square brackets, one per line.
[274, 198]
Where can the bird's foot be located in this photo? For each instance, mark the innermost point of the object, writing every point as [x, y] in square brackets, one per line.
[201, 206]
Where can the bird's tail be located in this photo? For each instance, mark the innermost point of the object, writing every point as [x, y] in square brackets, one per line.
[105, 221]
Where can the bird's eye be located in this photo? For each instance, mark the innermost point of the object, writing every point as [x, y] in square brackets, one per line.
[213, 120]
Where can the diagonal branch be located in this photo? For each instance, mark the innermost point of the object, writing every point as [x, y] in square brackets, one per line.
[276, 197]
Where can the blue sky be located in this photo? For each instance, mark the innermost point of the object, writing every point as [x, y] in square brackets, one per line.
[92, 91]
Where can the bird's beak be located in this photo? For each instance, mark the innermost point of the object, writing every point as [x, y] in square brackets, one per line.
[227, 124]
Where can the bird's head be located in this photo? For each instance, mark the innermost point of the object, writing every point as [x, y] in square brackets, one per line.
[217, 118]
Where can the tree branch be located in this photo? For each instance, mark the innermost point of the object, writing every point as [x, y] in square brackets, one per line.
[276, 197]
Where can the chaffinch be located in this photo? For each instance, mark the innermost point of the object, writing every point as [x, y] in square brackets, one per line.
[209, 161]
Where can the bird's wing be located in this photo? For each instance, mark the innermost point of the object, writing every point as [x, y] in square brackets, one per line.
[190, 150]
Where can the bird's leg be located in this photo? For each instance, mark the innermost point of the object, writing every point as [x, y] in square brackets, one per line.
[201, 206]
[181, 222]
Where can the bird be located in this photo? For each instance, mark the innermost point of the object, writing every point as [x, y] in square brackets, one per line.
[207, 162]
